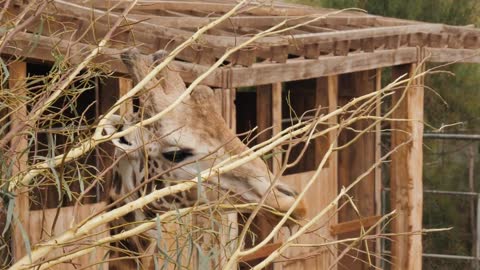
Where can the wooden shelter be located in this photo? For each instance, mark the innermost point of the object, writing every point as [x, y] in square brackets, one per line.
[327, 62]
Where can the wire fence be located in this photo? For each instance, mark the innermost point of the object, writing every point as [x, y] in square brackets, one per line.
[451, 199]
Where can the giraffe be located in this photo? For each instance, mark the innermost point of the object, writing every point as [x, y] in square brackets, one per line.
[191, 138]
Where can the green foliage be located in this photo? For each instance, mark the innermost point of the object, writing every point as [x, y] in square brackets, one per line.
[455, 12]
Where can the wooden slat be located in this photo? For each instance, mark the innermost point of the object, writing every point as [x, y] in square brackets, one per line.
[378, 155]
[264, 112]
[109, 91]
[17, 82]
[261, 253]
[354, 225]
[210, 7]
[42, 223]
[258, 22]
[345, 35]
[279, 54]
[318, 197]
[22, 46]
[322, 103]
[406, 174]
[264, 115]
[124, 85]
[73, 13]
[446, 55]
[312, 51]
[265, 73]
[277, 123]
[260, 74]
[228, 110]
[228, 232]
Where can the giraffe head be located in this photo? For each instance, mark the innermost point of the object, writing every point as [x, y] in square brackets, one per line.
[194, 137]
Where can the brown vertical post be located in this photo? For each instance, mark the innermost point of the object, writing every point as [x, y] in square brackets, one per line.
[269, 122]
[264, 115]
[264, 112]
[269, 117]
[110, 91]
[228, 108]
[406, 173]
[332, 86]
[378, 170]
[322, 103]
[17, 83]
[277, 123]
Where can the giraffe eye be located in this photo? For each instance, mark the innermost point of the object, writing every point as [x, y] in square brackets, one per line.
[177, 155]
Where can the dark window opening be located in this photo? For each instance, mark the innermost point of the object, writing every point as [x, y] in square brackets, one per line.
[66, 122]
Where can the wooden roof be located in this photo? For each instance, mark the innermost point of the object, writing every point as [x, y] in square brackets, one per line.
[336, 42]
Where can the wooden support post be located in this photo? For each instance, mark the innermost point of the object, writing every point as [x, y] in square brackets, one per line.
[228, 236]
[17, 83]
[264, 112]
[378, 170]
[110, 90]
[225, 105]
[228, 108]
[269, 117]
[333, 162]
[269, 122]
[277, 123]
[326, 96]
[406, 174]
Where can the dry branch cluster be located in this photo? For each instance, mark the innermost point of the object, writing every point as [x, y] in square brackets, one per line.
[35, 107]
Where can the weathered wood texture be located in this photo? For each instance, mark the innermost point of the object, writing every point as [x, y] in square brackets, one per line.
[319, 196]
[344, 30]
[354, 225]
[353, 162]
[406, 174]
[258, 74]
[264, 115]
[378, 170]
[17, 82]
[42, 227]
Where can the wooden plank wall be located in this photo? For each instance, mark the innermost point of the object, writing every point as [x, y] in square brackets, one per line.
[406, 174]
[317, 198]
[39, 224]
[352, 162]
[41, 228]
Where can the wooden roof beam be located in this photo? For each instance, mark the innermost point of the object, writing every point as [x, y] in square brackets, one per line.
[216, 41]
[260, 74]
[208, 7]
[447, 55]
[44, 48]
